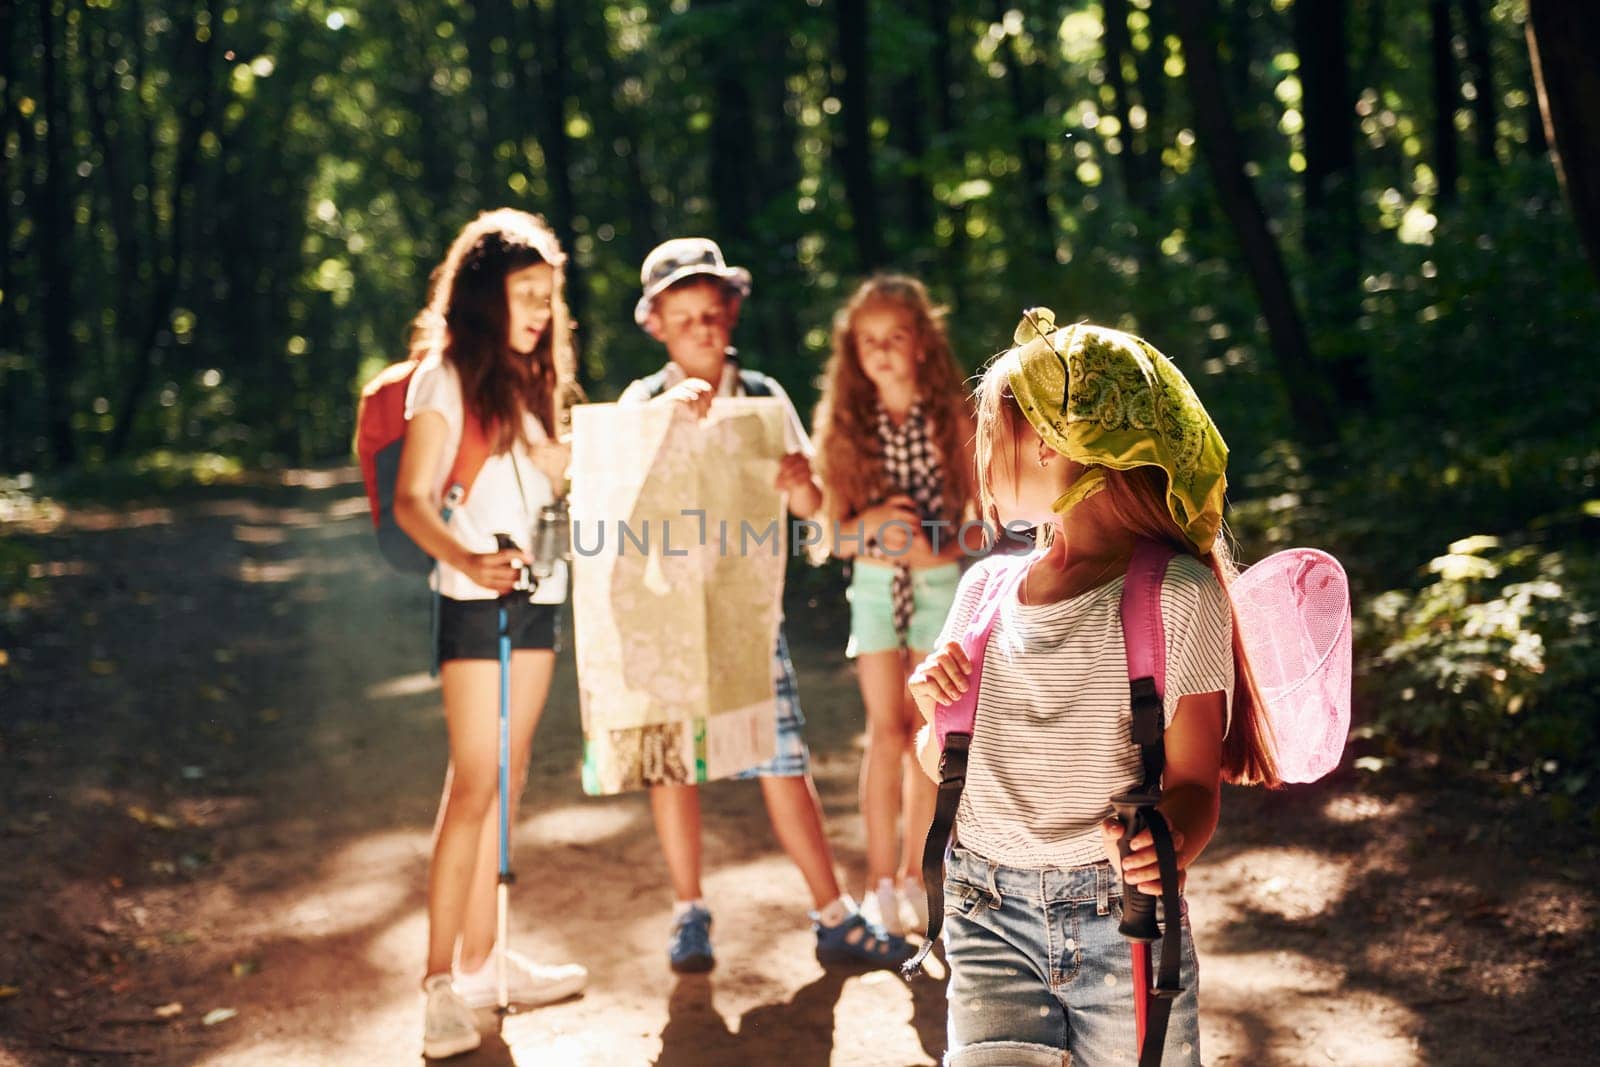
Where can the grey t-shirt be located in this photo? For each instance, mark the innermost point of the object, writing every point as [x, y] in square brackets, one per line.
[1050, 745]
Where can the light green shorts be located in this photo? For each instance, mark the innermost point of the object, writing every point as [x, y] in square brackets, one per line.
[933, 590]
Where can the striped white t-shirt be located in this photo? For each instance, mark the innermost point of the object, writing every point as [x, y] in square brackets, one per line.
[1050, 745]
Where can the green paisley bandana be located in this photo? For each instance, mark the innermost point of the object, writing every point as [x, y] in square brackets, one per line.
[1105, 398]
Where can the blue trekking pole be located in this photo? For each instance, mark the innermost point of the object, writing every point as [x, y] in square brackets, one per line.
[502, 899]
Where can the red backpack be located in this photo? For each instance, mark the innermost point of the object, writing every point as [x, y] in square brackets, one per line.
[380, 434]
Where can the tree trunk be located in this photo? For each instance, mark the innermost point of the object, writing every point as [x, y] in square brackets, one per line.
[619, 123]
[10, 321]
[1563, 39]
[777, 185]
[201, 100]
[855, 144]
[950, 154]
[146, 136]
[485, 103]
[55, 269]
[1533, 114]
[550, 38]
[1220, 142]
[1446, 93]
[1152, 72]
[1327, 104]
[1237, 44]
[1332, 221]
[733, 138]
[132, 299]
[911, 138]
[1484, 104]
[780, 173]
[1025, 110]
[1117, 48]
[1371, 63]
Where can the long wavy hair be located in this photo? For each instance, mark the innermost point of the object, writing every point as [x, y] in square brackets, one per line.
[1137, 501]
[849, 456]
[466, 321]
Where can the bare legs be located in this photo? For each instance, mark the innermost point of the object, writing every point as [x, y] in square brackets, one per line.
[461, 878]
[796, 814]
[677, 814]
[892, 788]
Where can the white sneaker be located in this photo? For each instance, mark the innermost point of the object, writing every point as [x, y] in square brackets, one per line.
[448, 1028]
[528, 984]
[914, 904]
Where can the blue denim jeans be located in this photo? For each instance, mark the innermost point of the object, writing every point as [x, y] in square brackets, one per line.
[1039, 974]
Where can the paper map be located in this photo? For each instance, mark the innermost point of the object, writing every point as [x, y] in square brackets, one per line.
[678, 560]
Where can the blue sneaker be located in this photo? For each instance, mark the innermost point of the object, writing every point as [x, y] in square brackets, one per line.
[857, 942]
[689, 951]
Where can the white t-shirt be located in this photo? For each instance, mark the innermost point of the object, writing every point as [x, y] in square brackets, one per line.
[1050, 745]
[794, 431]
[495, 502]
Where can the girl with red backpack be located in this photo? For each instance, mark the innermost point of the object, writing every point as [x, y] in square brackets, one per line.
[1095, 438]
[492, 355]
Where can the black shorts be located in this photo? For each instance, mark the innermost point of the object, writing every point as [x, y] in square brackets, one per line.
[470, 629]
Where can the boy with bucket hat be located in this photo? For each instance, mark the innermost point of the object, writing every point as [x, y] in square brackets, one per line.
[690, 302]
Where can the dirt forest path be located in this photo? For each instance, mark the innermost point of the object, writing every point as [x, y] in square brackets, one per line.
[222, 751]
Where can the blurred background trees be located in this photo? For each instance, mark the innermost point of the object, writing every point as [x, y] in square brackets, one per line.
[1342, 218]
[220, 216]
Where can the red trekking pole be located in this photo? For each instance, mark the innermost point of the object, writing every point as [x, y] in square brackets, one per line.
[1137, 812]
[1139, 924]
[1141, 987]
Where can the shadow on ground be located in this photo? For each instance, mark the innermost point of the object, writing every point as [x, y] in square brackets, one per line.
[223, 754]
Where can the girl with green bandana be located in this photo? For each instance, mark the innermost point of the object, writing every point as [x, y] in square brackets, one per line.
[1096, 438]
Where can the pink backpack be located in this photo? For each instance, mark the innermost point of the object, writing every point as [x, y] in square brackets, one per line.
[1293, 614]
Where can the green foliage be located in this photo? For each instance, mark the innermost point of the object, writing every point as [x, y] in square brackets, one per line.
[254, 196]
[1494, 657]
[159, 473]
[15, 563]
[296, 170]
[19, 504]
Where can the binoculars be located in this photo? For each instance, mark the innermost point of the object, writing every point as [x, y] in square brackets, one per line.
[551, 543]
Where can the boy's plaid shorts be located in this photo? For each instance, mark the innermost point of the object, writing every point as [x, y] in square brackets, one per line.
[792, 758]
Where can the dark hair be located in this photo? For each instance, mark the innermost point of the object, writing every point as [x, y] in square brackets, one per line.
[466, 321]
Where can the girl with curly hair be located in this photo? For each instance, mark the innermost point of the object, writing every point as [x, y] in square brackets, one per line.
[894, 435]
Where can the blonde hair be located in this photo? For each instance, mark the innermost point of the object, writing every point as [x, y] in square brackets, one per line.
[1137, 501]
[849, 461]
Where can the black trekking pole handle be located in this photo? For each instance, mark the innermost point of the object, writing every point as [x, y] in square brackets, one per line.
[525, 580]
[1138, 909]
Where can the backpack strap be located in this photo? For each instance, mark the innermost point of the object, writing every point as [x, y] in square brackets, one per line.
[1145, 638]
[754, 383]
[751, 382]
[655, 384]
[471, 455]
[953, 725]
